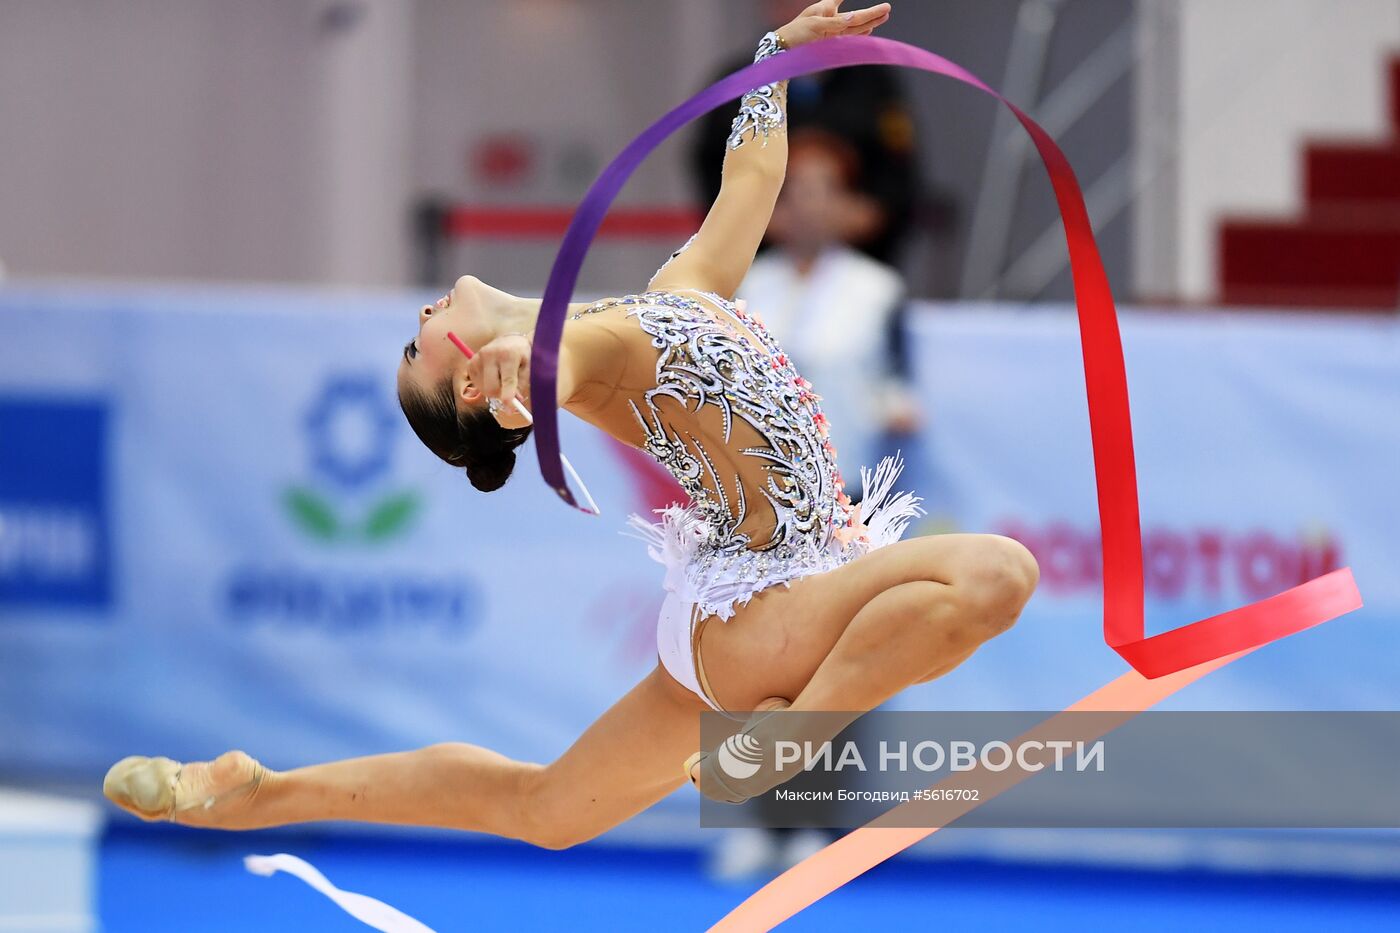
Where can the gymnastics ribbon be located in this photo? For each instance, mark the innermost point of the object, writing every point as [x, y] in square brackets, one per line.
[1105, 377]
[365, 909]
[885, 836]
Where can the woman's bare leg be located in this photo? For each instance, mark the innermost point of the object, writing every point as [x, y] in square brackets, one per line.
[848, 640]
[852, 638]
[621, 765]
[923, 628]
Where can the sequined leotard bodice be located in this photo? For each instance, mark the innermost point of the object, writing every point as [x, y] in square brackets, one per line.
[744, 435]
[740, 370]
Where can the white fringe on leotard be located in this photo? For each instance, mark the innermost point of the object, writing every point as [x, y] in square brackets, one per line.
[719, 583]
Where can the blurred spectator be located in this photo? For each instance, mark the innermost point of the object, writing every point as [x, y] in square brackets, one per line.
[832, 308]
[864, 105]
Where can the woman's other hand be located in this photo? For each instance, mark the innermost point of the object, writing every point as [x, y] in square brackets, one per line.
[825, 20]
[501, 370]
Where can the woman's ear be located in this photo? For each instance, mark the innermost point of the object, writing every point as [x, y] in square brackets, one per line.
[464, 390]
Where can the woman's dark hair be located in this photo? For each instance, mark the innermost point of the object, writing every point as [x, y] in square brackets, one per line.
[469, 439]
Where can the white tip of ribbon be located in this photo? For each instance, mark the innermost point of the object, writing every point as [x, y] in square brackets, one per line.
[367, 910]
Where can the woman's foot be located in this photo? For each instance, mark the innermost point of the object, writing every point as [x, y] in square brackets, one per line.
[748, 763]
[692, 764]
[214, 793]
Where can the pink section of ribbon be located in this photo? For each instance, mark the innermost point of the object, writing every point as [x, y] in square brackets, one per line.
[852, 855]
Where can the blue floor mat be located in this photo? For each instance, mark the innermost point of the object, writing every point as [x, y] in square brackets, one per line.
[173, 879]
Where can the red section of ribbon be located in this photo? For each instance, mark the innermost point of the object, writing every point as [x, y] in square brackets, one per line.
[1106, 381]
[1105, 376]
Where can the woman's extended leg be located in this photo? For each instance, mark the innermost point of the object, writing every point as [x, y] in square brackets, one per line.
[621, 765]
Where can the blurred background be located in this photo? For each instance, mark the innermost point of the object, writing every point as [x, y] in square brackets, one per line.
[217, 221]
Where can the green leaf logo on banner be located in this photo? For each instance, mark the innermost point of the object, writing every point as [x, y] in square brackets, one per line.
[349, 499]
[390, 515]
[312, 513]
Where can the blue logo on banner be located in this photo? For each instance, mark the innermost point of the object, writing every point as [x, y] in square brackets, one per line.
[54, 537]
[351, 432]
[350, 501]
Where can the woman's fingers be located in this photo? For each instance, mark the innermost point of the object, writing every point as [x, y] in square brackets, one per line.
[510, 371]
[514, 372]
[854, 23]
[825, 20]
[503, 368]
[867, 30]
[869, 17]
[490, 382]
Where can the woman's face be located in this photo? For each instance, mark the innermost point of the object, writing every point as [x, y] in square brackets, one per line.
[430, 357]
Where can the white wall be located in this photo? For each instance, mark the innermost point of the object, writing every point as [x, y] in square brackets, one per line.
[578, 80]
[1255, 79]
[154, 138]
[362, 123]
[255, 140]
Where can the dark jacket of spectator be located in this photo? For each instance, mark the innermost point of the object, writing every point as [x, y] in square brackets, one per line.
[864, 105]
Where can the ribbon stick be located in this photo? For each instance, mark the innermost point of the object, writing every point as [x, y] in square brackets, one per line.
[1105, 377]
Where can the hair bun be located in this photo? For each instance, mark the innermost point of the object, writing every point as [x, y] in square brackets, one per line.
[491, 472]
[488, 455]
[470, 440]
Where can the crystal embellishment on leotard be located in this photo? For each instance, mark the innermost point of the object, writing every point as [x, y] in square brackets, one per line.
[761, 110]
[728, 360]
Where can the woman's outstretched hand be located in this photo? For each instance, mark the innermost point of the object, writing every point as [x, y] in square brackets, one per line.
[825, 20]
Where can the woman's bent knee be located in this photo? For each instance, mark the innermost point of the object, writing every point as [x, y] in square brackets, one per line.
[1019, 568]
[1000, 582]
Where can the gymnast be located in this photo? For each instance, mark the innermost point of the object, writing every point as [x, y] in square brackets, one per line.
[686, 374]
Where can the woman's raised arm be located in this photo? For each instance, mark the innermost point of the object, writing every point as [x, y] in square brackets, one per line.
[755, 160]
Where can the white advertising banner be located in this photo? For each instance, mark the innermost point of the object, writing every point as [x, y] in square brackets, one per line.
[217, 531]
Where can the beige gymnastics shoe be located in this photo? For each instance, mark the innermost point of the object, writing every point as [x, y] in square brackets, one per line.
[692, 764]
[202, 793]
